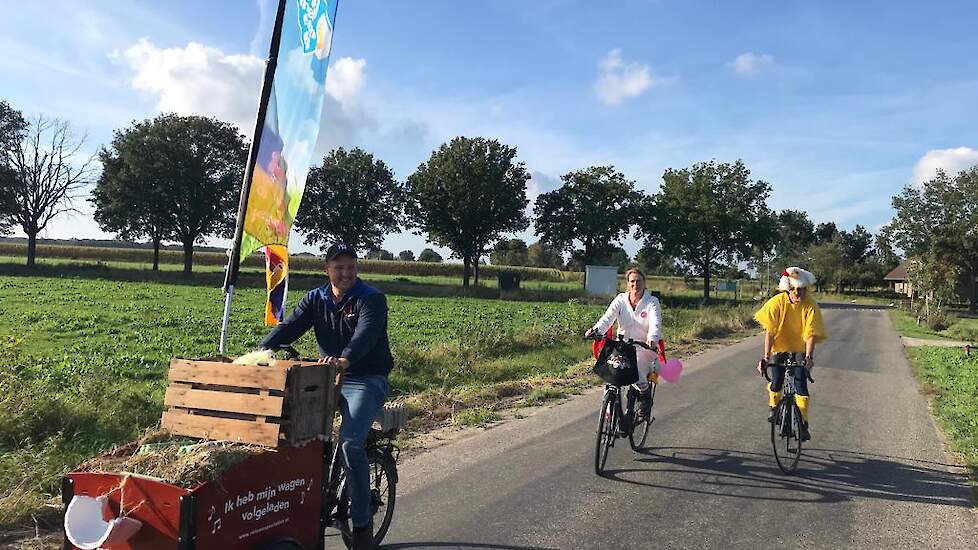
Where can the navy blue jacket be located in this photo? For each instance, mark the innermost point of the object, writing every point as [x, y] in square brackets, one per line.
[355, 328]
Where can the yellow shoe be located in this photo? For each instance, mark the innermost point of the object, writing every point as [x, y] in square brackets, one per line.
[773, 397]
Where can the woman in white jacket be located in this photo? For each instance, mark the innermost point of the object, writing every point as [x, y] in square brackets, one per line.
[639, 317]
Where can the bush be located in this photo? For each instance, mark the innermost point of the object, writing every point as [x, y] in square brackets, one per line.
[938, 320]
[963, 331]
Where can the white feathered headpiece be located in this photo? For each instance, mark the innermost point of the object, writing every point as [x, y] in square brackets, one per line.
[796, 277]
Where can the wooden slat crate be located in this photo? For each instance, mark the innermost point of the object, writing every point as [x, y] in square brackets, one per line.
[280, 404]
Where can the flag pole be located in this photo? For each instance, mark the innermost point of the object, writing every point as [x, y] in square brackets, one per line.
[234, 259]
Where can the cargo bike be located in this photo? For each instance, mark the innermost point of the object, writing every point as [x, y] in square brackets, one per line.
[287, 493]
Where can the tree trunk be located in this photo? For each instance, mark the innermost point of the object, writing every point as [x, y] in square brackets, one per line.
[706, 284]
[188, 257]
[156, 254]
[466, 263]
[973, 291]
[31, 247]
[476, 269]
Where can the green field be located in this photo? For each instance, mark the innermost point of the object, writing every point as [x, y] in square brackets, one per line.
[85, 349]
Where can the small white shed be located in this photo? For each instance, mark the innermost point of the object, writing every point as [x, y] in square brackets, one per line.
[600, 280]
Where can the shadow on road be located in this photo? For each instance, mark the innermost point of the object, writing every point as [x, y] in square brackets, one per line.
[475, 546]
[824, 475]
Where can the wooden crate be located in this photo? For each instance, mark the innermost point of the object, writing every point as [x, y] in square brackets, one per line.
[283, 403]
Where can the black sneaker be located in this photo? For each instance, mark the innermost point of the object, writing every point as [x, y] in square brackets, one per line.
[644, 405]
[363, 537]
[772, 416]
[803, 434]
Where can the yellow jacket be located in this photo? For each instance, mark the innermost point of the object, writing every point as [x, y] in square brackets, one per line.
[791, 325]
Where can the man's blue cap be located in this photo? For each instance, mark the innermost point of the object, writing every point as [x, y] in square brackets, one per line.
[338, 250]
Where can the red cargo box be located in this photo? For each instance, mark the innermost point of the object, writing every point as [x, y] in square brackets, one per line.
[268, 499]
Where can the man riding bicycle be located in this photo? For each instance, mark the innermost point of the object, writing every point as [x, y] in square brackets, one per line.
[793, 325]
[639, 317]
[350, 322]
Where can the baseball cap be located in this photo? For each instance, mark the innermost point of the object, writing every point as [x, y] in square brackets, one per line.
[339, 249]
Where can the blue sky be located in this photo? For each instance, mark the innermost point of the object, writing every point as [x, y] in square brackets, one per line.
[836, 104]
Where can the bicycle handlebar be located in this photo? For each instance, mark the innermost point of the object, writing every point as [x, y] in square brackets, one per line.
[808, 373]
[628, 341]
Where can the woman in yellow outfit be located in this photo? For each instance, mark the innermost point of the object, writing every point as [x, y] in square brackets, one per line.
[793, 325]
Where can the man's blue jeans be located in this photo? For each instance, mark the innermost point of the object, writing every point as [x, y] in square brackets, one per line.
[363, 397]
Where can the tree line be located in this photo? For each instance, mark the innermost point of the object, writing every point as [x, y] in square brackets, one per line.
[176, 178]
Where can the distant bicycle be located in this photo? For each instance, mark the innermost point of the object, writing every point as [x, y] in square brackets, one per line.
[786, 428]
[617, 421]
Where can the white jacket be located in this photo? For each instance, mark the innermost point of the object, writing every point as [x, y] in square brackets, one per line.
[641, 324]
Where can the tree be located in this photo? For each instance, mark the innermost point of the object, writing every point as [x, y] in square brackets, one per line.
[406, 256]
[12, 127]
[825, 232]
[611, 255]
[827, 260]
[711, 215]
[351, 198]
[883, 249]
[540, 254]
[795, 233]
[653, 261]
[379, 254]
[857, 244]
[195, 165]
[509, 252]
[429, 255]
[594, 207]
[469, 192]
[940, 219]
[48, 174]
[130, 197]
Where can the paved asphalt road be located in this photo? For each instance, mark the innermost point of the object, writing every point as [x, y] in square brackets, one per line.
[874, 476]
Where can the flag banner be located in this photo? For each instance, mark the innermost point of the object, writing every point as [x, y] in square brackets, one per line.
[291, 126]
[276, 282]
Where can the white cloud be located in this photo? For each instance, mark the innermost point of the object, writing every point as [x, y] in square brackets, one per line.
[619, 80]
[198, 79]
[750, 64]
[345, 80]
[951, 161]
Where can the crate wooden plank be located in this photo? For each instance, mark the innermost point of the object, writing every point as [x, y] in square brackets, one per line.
[227, 374]
[208, 427]
[264, 405]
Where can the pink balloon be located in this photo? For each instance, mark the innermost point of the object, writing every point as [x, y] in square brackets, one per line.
[671, 370]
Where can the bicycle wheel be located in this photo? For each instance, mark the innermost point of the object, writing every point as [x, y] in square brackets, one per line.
[383, 495]
[785, 436]
[640, 430]
[607, 426]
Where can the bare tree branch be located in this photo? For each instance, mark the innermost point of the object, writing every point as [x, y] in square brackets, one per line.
[50, 175]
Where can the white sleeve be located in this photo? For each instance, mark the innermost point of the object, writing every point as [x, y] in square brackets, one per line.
[609, 317]
[655, 320]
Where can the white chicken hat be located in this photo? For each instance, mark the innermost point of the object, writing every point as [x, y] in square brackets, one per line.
[796, 277]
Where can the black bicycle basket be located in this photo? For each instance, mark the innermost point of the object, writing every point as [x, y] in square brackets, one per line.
[617, 364]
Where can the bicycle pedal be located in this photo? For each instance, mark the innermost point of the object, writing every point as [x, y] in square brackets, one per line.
[793, 451]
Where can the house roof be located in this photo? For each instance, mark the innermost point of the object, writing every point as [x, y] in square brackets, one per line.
[899, 273]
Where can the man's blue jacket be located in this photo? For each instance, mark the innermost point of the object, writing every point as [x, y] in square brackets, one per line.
[354, 328]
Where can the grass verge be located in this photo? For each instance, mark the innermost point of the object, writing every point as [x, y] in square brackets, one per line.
[951, 379]
[963, 328]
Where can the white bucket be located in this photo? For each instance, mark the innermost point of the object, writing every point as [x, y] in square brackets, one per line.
[87, 526]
